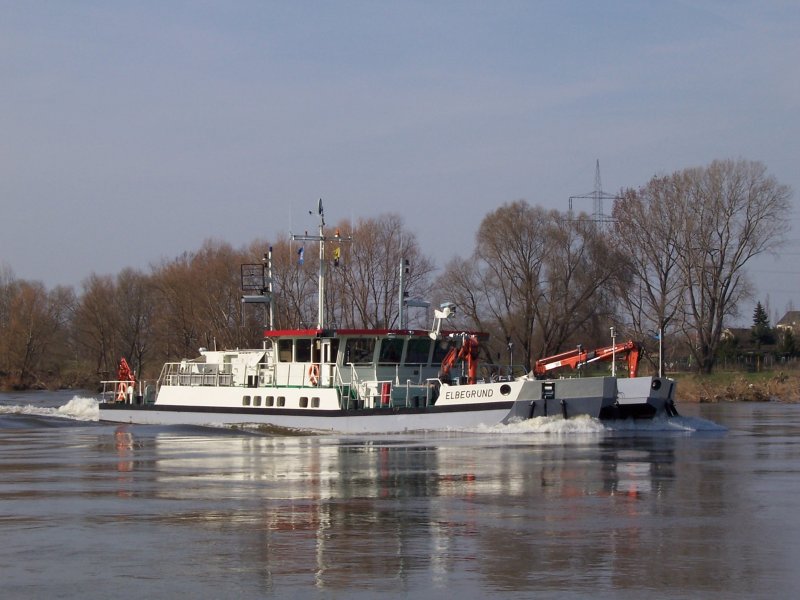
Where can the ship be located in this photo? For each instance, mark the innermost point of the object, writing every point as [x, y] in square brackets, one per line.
[394, 380]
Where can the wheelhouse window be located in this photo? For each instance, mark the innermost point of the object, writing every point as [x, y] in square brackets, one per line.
[418, 351]
[302, 350]
[391, 351]
[359, 351]
[285, 350]
[440, 351]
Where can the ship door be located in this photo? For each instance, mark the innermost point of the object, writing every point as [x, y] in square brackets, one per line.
[324, 359]
[328, 350]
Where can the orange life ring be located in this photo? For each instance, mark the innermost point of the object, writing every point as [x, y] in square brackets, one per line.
[122, 391]
[313, 374]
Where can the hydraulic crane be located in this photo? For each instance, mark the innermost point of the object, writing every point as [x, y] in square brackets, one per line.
[578, 357]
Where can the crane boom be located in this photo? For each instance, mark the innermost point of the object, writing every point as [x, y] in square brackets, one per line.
[579, 357]
[467, 351]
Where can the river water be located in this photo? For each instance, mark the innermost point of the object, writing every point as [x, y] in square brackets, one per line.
[702, 506]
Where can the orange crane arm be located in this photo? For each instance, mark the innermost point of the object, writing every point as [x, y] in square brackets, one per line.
[467, 351]
[579, 357]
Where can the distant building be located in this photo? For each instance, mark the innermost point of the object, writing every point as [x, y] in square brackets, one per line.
[791, 320]
[738, 336]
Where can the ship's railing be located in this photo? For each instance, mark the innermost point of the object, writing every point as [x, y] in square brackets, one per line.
[114, 390]
[194, 374]
[261, 374]
[117, 391]
[489, 373]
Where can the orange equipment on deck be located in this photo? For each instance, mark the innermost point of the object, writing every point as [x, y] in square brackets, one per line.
[579, 357]
[467, 351]
[126, 379]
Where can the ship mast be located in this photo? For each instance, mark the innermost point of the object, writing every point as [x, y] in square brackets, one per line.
[321, 285]
[321, 239]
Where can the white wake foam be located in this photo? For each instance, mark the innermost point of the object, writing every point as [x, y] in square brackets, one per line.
[550, 425]
[78, 408]
[666, 424]
[584, 424]
[81, 409]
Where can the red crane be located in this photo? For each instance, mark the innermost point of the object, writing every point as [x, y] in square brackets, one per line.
[579, 357]
[467, 351]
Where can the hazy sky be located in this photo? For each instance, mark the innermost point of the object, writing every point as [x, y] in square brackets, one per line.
[133, 131]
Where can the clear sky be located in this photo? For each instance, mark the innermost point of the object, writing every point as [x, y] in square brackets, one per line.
[132, 131]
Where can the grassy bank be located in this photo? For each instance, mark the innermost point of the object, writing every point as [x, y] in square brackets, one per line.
[726, 386]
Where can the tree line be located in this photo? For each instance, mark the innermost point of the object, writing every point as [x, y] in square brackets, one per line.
[672, 261]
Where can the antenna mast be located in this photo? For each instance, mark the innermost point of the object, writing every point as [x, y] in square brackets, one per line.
[321, 239]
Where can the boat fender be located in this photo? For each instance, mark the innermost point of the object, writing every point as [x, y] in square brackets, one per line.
[386, 390]
[564, 408]
[313, 374]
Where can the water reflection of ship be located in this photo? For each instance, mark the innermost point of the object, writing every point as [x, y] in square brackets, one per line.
[337, 509]
[123, 443]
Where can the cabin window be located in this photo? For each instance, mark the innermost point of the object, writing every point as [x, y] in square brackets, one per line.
[302, 350]
[391, 351]
[418, 351]
[315, 402]
[245, 400]
[359, 351]
[303, 401]
[281, 401]
[440, 351]
[256, 400]
[269, 401]
[285, 350]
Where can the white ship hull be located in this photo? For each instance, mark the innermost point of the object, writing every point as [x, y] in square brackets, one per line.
[456, 407]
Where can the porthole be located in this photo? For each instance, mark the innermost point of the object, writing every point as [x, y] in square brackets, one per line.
[281, 401]
[505, 389]
[245, 400]
[256, 400]
[269, 401]
[303, 401]
[315, 402]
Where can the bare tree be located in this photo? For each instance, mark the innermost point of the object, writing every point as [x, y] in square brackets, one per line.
[294, 283]
[535, 281]
[135, 306]
[199, 298]
[8, 287]
[647, 230]
[578, 267]
[216, 275]
[510, 252]
[733, 211]
[368, 275]
[36, 319]
[95, 323]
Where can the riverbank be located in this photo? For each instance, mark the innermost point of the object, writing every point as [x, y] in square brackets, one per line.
[764, 386]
